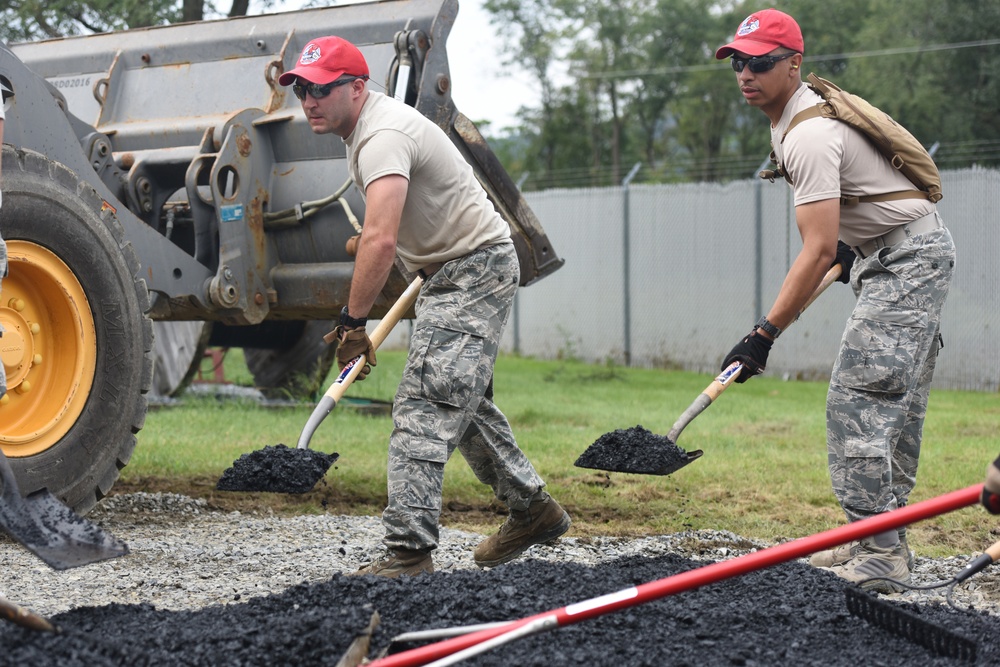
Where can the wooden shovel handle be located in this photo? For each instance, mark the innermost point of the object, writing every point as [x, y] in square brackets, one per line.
[377, 337]
[337, 388]
[732, 371]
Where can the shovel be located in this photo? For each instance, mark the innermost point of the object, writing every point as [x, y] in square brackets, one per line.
[49, 529]
[636, 450]
[282, 469]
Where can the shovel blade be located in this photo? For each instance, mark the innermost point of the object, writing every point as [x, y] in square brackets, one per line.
[54, 532]
[276, 469]
[674, 466]
[636, 450]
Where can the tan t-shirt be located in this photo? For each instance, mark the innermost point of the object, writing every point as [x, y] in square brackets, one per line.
[827, 158]
[446, 213]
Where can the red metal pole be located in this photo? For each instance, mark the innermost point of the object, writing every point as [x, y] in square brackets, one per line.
[692, 579]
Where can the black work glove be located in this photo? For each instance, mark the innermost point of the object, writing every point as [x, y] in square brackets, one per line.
[752, 353]
[991, 489]
[845, 257]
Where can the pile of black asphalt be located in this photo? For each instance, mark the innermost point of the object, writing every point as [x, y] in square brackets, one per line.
[635, 450]
[277, 469]
[789, 614]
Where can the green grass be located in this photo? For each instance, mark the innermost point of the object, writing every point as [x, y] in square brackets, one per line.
[763, 474]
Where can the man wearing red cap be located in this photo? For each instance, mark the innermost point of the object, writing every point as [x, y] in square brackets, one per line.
[424, 204]
[903, 267]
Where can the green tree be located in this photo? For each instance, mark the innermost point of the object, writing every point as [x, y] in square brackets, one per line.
[27, 20]
[535, 30]
[936, 74]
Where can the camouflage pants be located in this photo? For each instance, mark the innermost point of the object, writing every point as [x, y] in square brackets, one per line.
[881, 380]
[445, 399]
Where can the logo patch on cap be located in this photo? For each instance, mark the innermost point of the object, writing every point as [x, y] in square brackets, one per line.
[311, 54]
[748, 26]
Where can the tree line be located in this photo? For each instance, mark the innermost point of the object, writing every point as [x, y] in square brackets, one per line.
[623, 82]
[626, 82]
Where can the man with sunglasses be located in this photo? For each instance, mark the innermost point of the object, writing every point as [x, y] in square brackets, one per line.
[901, 274]
[424, 204]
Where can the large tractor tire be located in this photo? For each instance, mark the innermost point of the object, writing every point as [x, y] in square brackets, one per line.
[178, 353]
[78, 343]
[297, 369]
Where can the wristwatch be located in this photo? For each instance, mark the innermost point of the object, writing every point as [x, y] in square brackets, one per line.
[762, 323]
[351, 322]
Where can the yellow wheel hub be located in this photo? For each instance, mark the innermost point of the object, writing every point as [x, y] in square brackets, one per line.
[48, 349]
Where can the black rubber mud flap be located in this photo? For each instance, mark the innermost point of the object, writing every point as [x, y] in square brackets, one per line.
[47, 209]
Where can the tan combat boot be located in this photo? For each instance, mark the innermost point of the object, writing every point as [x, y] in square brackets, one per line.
[544, 520]
[875, 569]
[399, 562]
[845, 552]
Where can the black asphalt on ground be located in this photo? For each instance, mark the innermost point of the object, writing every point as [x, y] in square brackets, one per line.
[789, 614]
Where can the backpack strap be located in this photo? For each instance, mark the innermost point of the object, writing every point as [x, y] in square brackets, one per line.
[817, 112]
[887, 196]
[805, 114]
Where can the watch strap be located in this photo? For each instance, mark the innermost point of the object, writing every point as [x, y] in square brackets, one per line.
[762, 323]
[351, 322]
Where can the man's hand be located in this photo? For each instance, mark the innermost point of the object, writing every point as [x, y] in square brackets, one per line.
[353, 342]
[752, 353]
[991, 489]
[845, 257]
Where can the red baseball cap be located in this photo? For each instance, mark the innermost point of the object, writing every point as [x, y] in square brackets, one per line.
[763, 32]
[325, 60]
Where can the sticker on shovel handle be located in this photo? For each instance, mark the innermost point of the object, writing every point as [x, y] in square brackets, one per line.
[730, 373]
[342, 378]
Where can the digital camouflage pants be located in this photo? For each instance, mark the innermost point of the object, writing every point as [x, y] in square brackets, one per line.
[882, 377]
[445, 399]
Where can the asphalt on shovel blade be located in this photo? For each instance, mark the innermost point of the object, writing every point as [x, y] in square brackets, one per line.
[636, 450]
[277, 469]
[55, 533]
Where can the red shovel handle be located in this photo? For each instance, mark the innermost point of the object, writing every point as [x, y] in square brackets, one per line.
[692, 579]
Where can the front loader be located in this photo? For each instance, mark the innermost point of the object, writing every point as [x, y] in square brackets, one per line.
[160, 181]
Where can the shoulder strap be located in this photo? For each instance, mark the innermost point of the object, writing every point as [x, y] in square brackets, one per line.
[805, 114]
[816, 112]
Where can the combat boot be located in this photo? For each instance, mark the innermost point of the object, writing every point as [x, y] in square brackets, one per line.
[875, 569]
[544, 520]
[399, 562]
[836, 556]
[845, 552]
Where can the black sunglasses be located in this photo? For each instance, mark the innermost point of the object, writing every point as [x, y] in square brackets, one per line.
[758, 64]
[319, 91]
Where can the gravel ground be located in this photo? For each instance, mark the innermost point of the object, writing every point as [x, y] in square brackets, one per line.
[202, 587]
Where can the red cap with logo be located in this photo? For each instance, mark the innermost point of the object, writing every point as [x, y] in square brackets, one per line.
[325, 60]
[763, 32]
